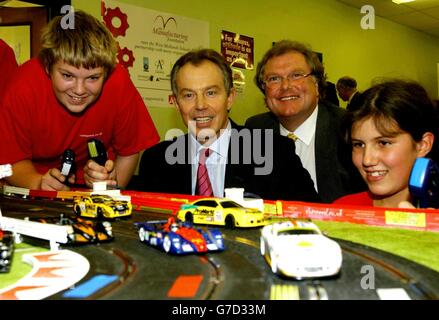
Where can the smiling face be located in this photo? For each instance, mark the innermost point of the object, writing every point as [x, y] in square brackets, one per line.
[292, 100]
[76, 88]
[202, 98]
[385, 160]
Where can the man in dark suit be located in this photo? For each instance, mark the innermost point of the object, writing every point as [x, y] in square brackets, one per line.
[347, 90]
[292, 79]
[331, 94]
[233, 156]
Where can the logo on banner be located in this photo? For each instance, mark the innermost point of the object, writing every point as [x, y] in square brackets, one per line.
[146, 64]
[164, 23]
[159, 65]
[160, 28]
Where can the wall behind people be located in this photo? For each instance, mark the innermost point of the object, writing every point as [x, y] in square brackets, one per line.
[329, 26]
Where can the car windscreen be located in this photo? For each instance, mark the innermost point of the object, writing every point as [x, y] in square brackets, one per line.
[230, 204]
[206, 203]
[102, 200]
[296, 232]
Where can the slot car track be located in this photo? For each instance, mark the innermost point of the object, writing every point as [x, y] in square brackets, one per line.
[239, 272]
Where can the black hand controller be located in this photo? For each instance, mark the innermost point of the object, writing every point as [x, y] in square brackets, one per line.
[68, 162]
[97, 152]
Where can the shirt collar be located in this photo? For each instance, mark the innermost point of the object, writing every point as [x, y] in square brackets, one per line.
[306, 130]
[220, 146]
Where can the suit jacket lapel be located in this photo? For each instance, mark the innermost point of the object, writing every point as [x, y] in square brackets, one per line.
[232, 176]
[186, 170]
[273, 123]
[324, 146]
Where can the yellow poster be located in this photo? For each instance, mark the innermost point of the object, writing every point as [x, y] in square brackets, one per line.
[149, 44]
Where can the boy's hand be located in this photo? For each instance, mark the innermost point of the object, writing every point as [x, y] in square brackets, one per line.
[53, 180]
[93, 172]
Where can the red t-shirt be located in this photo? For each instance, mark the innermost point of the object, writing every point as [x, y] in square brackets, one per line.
[8, 66]
[35, 126]
[356, 199]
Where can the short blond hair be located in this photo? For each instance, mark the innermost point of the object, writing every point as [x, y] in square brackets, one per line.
[89, 44]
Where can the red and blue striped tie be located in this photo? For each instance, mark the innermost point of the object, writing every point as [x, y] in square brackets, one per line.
[204, 188]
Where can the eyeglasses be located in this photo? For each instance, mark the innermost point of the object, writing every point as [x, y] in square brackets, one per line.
[275, 80]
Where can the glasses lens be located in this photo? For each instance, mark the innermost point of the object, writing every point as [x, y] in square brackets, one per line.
[275, 80]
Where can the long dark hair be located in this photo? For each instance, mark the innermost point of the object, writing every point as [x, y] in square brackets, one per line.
[400, 102]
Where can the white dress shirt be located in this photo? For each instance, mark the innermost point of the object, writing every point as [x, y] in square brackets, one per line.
[215, 163]
[305, 144]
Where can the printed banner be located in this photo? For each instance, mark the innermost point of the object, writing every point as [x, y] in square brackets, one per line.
[149, 44]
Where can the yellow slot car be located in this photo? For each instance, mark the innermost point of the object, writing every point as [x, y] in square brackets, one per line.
[220, 212]
[101, 206]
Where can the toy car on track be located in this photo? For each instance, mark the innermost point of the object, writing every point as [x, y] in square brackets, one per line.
[6, 250]
[298, 249]
[84, 231]
[220, 212]
[179, 238]
[5, 170]
[101, 206]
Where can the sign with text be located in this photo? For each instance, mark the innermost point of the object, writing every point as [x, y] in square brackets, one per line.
[237, 49]
[150, 42]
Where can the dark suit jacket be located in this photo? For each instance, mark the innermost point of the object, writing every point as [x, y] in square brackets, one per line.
[353, 104]
[331, 94]
[288, 180]
[336, 175]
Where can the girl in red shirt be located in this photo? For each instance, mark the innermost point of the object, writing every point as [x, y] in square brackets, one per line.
[395, 123]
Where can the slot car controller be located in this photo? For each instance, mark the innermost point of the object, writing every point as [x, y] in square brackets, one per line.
[67, 162]
[424, 183]
[97, 151]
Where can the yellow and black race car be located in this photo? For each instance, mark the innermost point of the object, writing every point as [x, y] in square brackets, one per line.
[84, 231]
[101, 206]
[218, 211]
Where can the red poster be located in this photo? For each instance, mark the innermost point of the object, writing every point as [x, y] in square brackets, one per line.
[237, 49]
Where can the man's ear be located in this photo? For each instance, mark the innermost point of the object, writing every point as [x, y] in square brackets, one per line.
[231, 98]
[425, 145]
[174, 102]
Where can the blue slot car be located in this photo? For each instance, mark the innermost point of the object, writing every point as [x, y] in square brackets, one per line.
[175, 237]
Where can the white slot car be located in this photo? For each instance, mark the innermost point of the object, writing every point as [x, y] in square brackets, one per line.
[298, 249]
